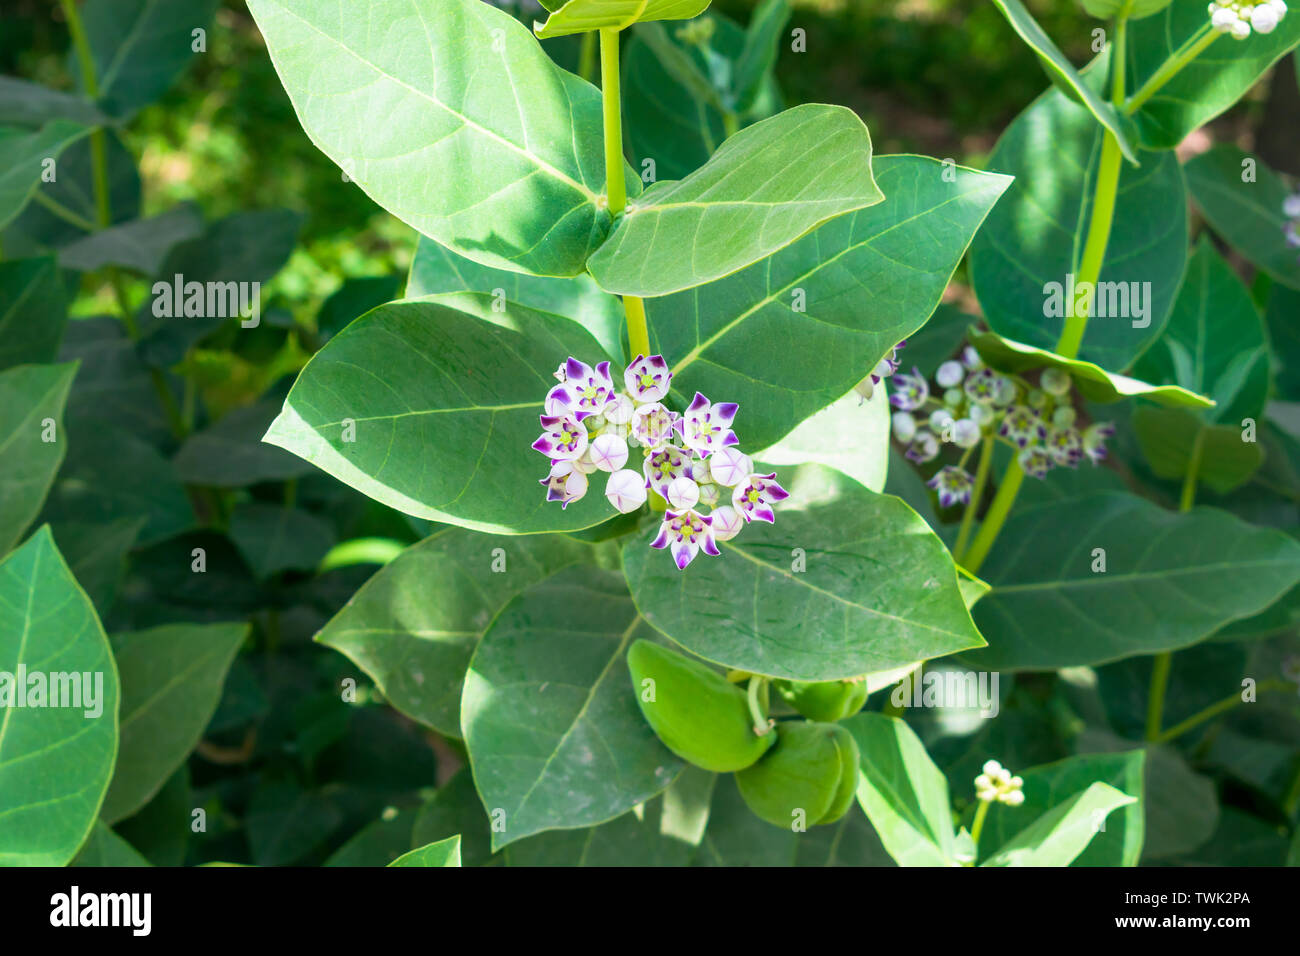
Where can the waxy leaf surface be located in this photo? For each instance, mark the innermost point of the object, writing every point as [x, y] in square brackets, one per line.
[582, 16]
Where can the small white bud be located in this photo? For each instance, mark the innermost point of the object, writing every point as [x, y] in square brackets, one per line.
[904, 426]
[949, 374]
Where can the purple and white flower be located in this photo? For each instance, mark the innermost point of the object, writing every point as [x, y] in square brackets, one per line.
[986, 387]
[1035, 461]
[619, 409]
[754, 497]
[888, 365]
[1023, 426]
[648, 378]
[591, 388]
[664, 466]
[564, 438]
[953, 485]
[705, 427]
[685, 534]
[909, 392]
[565, 484]
[924, 447]
[1065, 445]
[1094, 441]
[652, 425]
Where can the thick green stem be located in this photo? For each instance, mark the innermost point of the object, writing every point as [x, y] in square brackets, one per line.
[996, 517]
[638, 334]
[1094, 249]
[976, 496]
[977, 826]
[1214, 710]
[1160, 668]
[1189, 51]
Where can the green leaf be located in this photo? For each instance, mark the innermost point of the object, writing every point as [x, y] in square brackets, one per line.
[765, 187]
[1215, 342]
[96, 555]
[33, 311]
[443, 853]
[839, 293]
[879, 590]
[171, 683]
[433, 437]
[23, 161]
[437, 270]
[1168, 438]
[1120, 841]
[550, 717]
[33, 443]
[641, 837]
[275, 538]
[1062, 833]
[1284, 332]
[1207, 86]
[736, 837]
[1170, 580]
[1024, 261]
[230, 454]
[138, 244]
[851, 841]
[24, 103]
[112, 385]
[902, 792]
[821, 439]
[1242, 199]
[583, 16]
[762, 44]
[357, 296]
[414, 625]
[140, 46]
[379, 843]
[106, 848]
[55, 762]
[1133, 9]
[1061, 70]
[1093, 382]
[160, 830]
[451, 80]
[456, 809]
[285, 822]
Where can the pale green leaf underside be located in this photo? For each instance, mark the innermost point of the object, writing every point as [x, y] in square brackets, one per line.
[1169, 436]
[414, 625]
[1137, 9]
[554, 734]
[445, 394]
[764, 188]
[1170, 580]
[406, 97]
[443, 853]
[30, 397]
[1062, 833]
[879, 590]
[55, 762]
[902, 792]
[850, 435]
[1057, 66]
[583, 16]
[847, 293]
[1094, 382]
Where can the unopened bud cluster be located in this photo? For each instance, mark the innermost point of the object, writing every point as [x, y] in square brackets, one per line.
[996, 783]
[970, 402]
[689, 459]
[1242, 19]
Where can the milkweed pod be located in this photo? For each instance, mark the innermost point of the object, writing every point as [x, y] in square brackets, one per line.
[827, 701]
[695, 711]
[813, 768]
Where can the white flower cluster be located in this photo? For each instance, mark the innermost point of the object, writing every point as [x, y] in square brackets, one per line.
[996, 783]
[1243, 18]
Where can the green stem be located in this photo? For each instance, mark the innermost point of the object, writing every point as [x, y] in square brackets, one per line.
[761, 722]
[977, 826]
[1194, 47]
[587, 57]
[1291, 802]
[90, 83]
[1214, 710]
[1160, 667]
[638, 334]
[996, 517]
[1119, 56]
[1188, 496]
[63, 212]
[976, 496]
[1094, 249]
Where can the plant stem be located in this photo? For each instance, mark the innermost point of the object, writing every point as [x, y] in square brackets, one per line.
[1188, 496]
[1214, 710]
[89, 83]
[587, 57]
[1291, 802]
[976, 496]
[761, 722]
[1119, 56]
[977, 826]
[1094, 249]
[638, 335]
[996, 517]
[1189, 51]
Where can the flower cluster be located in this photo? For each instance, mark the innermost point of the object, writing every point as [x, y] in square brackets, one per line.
[996, 783]
[970, 402]
[690, 459]
[1245, 17]
[1291, 209]
[886, 367]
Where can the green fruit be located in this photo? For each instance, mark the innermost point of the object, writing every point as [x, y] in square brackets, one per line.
[695, 711]
[827, 701]
[813, 768]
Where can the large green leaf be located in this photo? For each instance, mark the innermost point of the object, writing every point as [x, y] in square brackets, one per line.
[824, 439]
[1245, 210]
[459, 85]
[1093, 382]
[443, 853]
[445, 431]
[838, 292]
[764, 188]
[902, 792]
[275, 538]
[879, 590]
[23, 158]
[551, 722]
[1035, 236]
[112, 385]
[55, 761]
[33, 310]
[1170, 580]
[1062, 833]
[33, 441]
[583, 16]
[1062, 71]
[1215, 342]
[171, 683]
[106, 848]
[140, 46]
[1169, 437]
[736, 837]
[414, 625]
[96, 554]
[24, 103]
[1207, 86]
[139, 244]
[436, 269]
